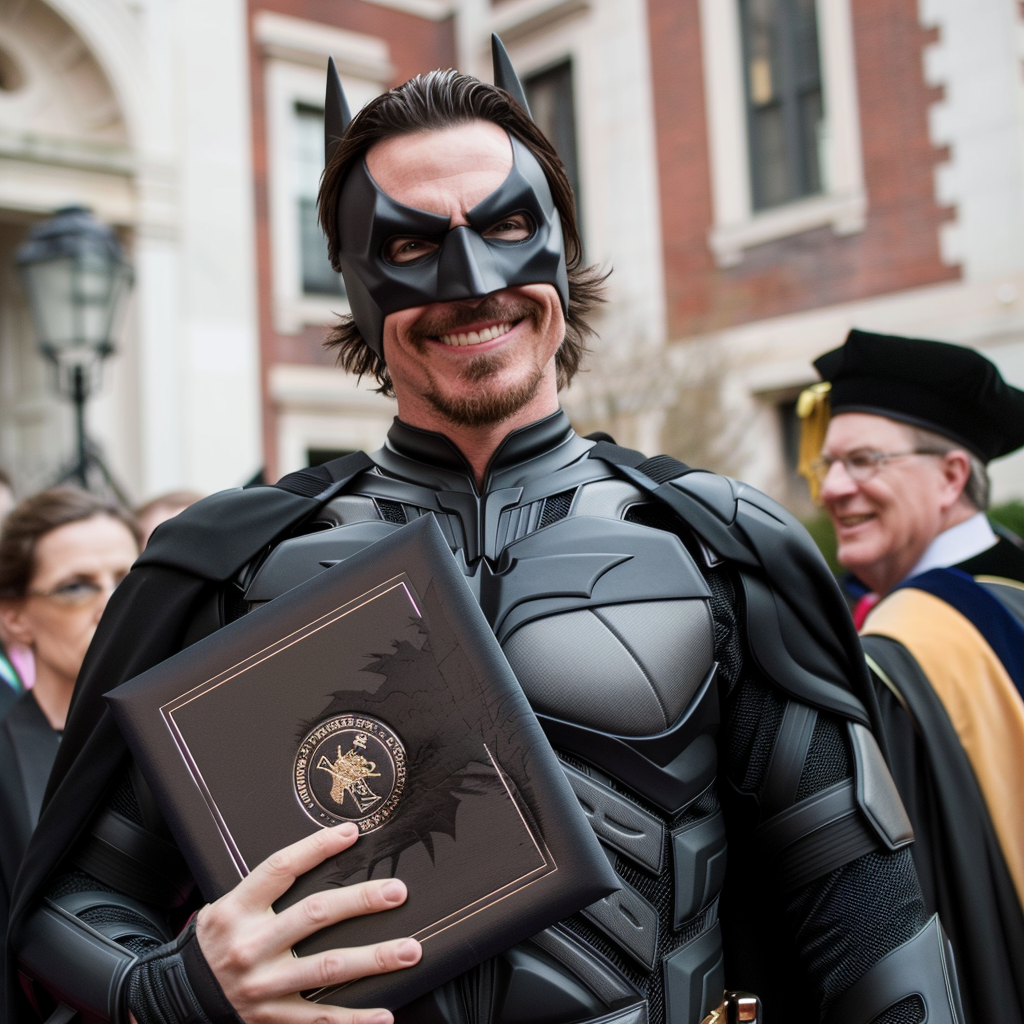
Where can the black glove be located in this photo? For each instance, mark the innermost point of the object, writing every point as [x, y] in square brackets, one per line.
[173, 984]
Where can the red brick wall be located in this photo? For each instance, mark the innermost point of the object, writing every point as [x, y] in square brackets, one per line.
[899, 247]
[415, 45]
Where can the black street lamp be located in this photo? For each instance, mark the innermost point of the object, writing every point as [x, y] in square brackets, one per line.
[77, 279]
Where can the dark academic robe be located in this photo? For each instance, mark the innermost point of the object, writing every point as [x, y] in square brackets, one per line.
[28, 746]
[959, 859]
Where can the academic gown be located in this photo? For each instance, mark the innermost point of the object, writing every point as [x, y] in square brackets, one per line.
[960, 862]
[28, 746]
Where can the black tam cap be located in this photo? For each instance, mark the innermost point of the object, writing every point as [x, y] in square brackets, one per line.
[949, 389]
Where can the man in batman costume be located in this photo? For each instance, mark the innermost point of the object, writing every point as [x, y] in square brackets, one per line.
[687, 653]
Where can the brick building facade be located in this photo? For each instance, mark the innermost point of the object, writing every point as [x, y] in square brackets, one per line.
[760, 175]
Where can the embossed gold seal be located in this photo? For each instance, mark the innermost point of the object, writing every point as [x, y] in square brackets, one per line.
[350, 767]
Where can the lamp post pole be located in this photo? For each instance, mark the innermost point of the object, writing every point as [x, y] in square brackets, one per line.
[80, 396]
[77, 278]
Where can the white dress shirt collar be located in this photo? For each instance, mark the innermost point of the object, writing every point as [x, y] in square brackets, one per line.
[957, 544]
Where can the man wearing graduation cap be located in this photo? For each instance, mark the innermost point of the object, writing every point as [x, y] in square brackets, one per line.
[903, 430]
[667, 625]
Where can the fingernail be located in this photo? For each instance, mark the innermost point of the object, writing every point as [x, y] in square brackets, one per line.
[393, 891]
[347, 829]
[381, 1017]
[408, 951]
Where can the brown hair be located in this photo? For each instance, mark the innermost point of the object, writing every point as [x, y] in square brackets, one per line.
[34, 517]
[433, 102]
[172, 499]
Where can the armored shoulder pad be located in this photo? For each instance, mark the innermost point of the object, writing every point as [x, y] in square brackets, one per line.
[799, 630]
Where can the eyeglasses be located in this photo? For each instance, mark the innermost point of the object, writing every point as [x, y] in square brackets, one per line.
[74, 594]
[863, 465]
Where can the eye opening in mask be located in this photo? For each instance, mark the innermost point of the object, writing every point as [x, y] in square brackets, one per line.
[402, 250]
[511, 229]
[406, 250]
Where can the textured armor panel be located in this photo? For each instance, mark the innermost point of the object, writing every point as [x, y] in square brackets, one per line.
[619, 821]
[632, 922]
[607, 498]
[698, 863]
[631, 669]
[586, 682]
[600, 977]
[694, 978]
[876, 792]
[672, 641]
[348, 508]
[300, 558]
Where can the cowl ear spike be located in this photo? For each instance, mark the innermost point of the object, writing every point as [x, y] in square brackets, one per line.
[505, 76]
[336, 112]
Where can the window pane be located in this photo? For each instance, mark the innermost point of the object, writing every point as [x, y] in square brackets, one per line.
[810, 136]
[805, 45]
[784, 103]
[762, 52]
[773, 182]
[550, 96]
[318, 277]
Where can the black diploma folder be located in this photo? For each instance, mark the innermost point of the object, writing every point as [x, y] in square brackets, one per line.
[374, 693]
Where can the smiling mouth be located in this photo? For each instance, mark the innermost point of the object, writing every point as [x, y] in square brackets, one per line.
[462, 339]
[850, 521]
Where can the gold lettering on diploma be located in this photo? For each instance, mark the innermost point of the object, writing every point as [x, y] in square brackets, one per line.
[350, 772]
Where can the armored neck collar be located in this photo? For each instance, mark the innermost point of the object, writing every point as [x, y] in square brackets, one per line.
[410, 451]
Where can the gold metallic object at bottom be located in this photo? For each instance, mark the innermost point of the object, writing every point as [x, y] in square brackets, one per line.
[736, 1008]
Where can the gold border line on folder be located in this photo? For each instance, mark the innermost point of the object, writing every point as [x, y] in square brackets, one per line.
[167, 710]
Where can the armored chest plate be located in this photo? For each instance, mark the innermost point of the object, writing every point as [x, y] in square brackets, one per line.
[607, 625]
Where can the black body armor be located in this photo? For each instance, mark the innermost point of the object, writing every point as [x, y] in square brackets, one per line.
[652, 660]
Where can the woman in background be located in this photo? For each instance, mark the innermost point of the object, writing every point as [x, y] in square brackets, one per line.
[62, 553]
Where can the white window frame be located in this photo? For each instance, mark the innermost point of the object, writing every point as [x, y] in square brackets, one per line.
[295, 60]
[842, 204]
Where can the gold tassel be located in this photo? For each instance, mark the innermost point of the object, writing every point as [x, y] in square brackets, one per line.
[814, 410]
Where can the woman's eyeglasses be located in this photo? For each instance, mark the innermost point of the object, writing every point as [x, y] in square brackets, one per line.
[74, 593]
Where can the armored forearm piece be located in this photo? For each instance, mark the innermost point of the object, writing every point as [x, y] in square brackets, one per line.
[80, 947]
[919, 976]
[73, 944]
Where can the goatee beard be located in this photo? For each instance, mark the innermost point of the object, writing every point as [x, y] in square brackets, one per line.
[484, 406]
[487, 406]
